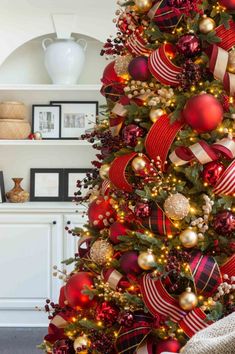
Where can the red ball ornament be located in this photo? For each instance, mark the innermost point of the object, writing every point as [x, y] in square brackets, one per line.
[62, 297]
[115, 230]
[74, 290]
[142, 210]
[131, 133]
[188, 45]
[224, 223]
[203, 113]
[112, 83]
[138, 69]
[168, 345]
[101, 213]
[110, 75]
[129, 263]
[212, 171]
[229, 4]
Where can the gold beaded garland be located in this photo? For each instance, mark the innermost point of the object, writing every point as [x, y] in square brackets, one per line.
[176, 206]
[81, 342]
[101, 251]
[156, 113]
[104, 171]
[188, 300]
[146, 260]
[206, 24]
[143, 5]
[189, 238]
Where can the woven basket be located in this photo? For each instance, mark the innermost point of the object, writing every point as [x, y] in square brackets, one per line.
[12, 110]
[11, 129]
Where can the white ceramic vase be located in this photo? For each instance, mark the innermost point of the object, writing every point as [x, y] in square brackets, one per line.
[64, 59]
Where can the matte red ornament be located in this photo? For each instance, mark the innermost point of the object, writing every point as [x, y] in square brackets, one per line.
[224, 223]
[131, 133]
[129, 263]
[229, 4]
[212, 171]
[168, 345]
[203, 113]
[101, 213]
[74, 290]
[142, 210]
[115, 230]
[138, 69]
[188, 45]
[62, 297]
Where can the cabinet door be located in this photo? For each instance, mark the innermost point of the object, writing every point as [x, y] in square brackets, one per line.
[30, 244]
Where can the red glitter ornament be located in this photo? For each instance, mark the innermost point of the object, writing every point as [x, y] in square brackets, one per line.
[129, 263]
[142, 210]
[188, 45]
[212, 171]
[115, 230]
[168, 345]
[74, 290]
[101, 213]
[224, 223]
[131, 133]
[138, 69]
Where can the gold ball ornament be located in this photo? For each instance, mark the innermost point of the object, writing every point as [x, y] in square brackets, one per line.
[231, 62]
[189, 238]
[139, 163]
[146, 260]
[188, 300]
[176, 206]
[101, 252]
[206, 24]
[143, 6]
[80, 343]
[156, 113]
[104, 171]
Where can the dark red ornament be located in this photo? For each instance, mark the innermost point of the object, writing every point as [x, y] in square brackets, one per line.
[129, 263]
[168, 345]
[229, 4]
[74, 290]
[212, 171]
[106, 313]
[115, 230]
[189, 45]
[131, 133]
[142, 210]
[138, 69]
[63, 346]
[203, 113]
[224, 223]
[101, 213]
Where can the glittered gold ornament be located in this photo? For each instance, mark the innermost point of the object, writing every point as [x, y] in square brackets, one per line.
[176, 206]
[139, 164]
[143, 6]
[188, 300]
[104, 171]
[146, 260]
[81, 342]
[156, 113]
[206, 24]
[189, 238]
[121, 65]
[231, 62]
[101, 252]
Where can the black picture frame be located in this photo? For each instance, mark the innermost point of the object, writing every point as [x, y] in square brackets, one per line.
[46, 198]
[2, 189]
[34, 107]
[86, 128]
[67, 172]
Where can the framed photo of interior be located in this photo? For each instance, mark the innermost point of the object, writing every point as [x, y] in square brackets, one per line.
[46, 119]
[71, 176]
[2, 189]
[77, 117]
[46, 184]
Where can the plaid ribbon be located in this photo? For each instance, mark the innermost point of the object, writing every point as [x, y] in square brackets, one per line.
[129, 339]
[205, 272]
[227, 35]
[158, 222]
[164, 15]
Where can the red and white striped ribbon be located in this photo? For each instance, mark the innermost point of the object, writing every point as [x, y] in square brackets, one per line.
[105, 187]
[161, 66]
[203, 152]
[227, 35]
[229, 267]
[137, 45]
[193, 322]
[226, 183]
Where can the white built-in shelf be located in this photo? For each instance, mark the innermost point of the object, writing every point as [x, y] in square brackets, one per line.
[45, 143]
[29, 87]
[41, 207]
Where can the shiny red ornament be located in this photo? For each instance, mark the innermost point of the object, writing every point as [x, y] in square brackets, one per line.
[101, 213]
[203, 113]
[212, 171]
[129, 263]
[168, 345]
[63, 346]
[142, 210]
[74, 290]
[229, 4]
[113, 87]
[138, 69]
[115, 230]
[224, 223]
[62, 297]
[110, 75]
[188, 45]
[131, 133]
[107, 313]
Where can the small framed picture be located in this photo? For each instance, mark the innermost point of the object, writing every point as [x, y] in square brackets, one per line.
[77, 118]
[46, 184]
[46, 119]
[2, 189]
[71, 176]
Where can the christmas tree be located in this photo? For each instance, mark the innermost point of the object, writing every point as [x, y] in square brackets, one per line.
[155, 261]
